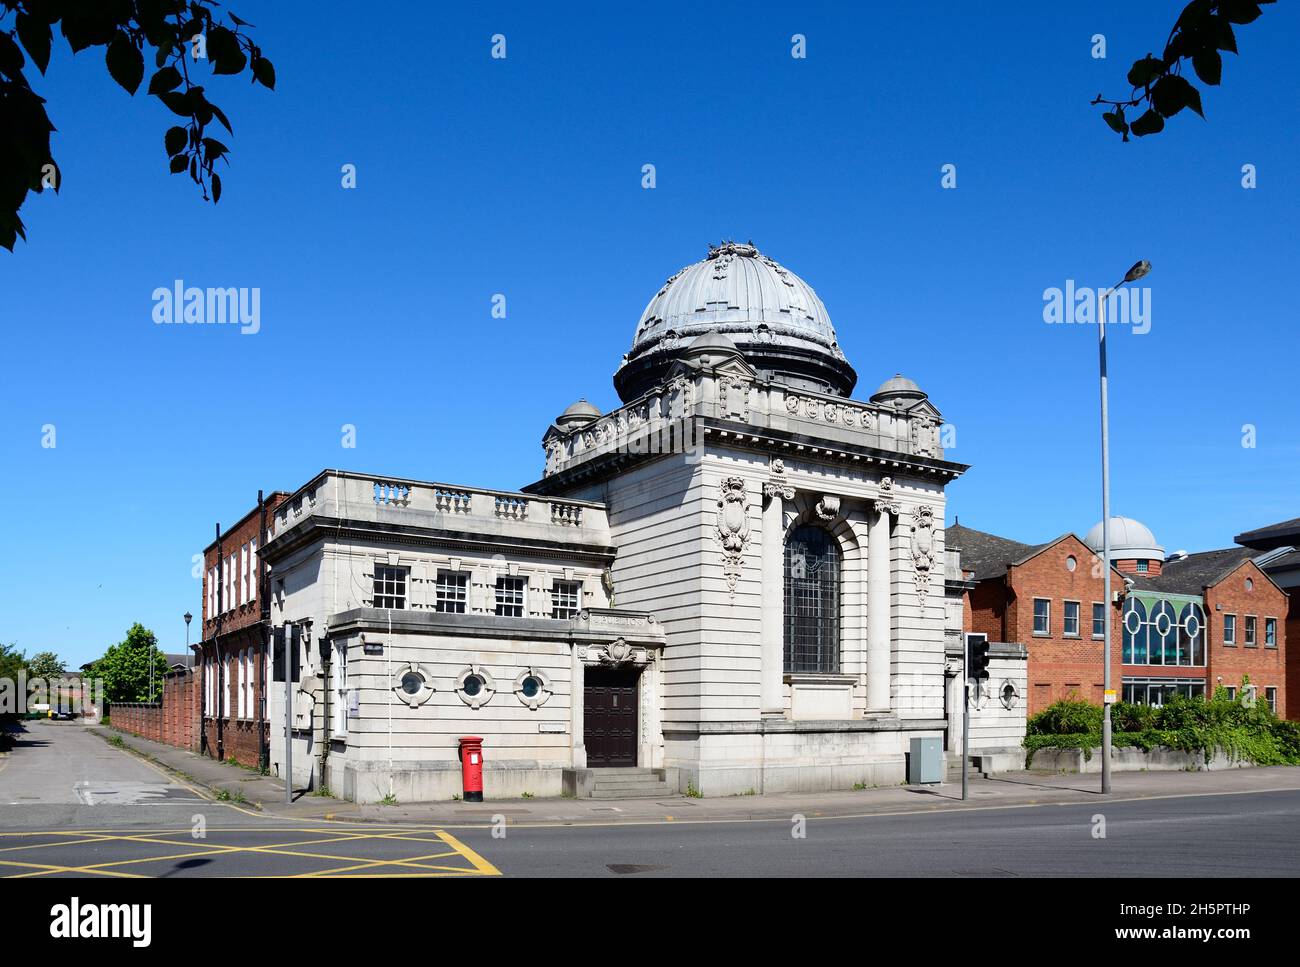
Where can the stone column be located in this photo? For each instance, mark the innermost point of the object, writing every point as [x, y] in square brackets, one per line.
[577, 693]
[772, 702]
[878, 564]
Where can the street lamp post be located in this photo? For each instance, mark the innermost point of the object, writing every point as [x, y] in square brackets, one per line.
[1138, 270]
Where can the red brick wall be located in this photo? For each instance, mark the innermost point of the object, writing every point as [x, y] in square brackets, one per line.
[1061, 666]
[235, 736]
[1154, 566]
[174, 721]
[1266, 667]
[247, 529]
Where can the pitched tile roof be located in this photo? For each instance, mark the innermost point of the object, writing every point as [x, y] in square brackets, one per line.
[986, 554]
[1274, 535]
[1195, 572]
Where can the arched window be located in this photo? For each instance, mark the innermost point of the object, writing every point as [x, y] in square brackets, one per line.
[812, 601]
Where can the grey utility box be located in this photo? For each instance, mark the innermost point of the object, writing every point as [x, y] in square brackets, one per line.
[925, 764]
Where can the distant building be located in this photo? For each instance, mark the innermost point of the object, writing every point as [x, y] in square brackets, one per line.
[1184, 624]
[1278, 550]
[232, 654]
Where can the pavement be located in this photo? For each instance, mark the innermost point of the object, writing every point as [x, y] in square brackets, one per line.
[74, 804]
[266, 795]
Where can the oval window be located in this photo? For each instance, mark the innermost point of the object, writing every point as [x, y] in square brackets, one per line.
[530, 686]
[412, 683]
[1071, 563]
[473, 685]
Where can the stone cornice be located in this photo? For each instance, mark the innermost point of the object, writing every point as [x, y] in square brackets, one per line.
[320, 528]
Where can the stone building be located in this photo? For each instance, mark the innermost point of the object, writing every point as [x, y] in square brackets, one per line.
[735, 581]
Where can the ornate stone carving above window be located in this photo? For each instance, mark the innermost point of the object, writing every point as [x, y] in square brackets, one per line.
[925, 437]
[828, 508]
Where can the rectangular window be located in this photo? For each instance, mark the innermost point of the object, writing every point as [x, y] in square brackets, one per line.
[225, 690]
[1250, 631]
[1232, 693]
[341, 689]
[1270, 695]
[510, 596]
[243, 574]
[1070, 619]
[241, 696]
[1230, 630]
[1098, 620]
[1270, 632]
[1042, 616]
[212, 594]
[390, 587]
[1142, 567]
[255, 571]
[451, 592]
[566, 597]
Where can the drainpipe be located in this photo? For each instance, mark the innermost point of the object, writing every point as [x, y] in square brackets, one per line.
[263, 624]
[325, 655]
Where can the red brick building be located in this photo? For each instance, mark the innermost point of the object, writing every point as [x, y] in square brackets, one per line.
[1278, 547]
[1048, 597]
[232, 663]
[1184, 625]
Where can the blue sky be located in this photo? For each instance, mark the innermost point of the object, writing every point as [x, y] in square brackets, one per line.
[523, 176]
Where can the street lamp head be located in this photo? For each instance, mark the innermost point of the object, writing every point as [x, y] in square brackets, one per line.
[1139, 270]
[188, 617]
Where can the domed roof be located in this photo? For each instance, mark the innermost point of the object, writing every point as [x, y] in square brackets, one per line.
[1128, 539]
[579, 412]
[772, 316]
[897, 386]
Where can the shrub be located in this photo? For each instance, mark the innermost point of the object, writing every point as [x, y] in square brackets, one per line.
[1066, 718]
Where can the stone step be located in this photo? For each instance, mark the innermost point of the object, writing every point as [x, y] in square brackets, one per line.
[657, 791]
[628, 786]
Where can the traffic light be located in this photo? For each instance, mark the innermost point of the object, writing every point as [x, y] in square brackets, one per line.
[977, 655]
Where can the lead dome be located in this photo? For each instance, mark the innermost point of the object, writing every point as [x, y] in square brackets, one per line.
[772, 316]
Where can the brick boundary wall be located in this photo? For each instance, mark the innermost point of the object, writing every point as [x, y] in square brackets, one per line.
[173, 721]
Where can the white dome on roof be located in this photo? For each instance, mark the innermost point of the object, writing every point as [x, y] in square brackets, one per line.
[773, 317]
[1129, 539]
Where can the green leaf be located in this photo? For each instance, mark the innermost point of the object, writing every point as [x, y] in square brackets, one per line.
[125, 63]
[1171, 94]
[167, 79]
[1146, 70]
[1148, 123]
[264, 73]
[175, 140]
[1239, 11]
[213, 149]
[1208, 64]
[179, 164]
[35, 35]
[216, 187]
[177, 102]
[1220, 32]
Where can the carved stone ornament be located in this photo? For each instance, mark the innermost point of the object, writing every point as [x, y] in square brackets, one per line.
[732, 529]
[923, 552]
[886, 501]
[617, 652]
[778, 488]
[925, 437]
[828, 508]
[778, 466]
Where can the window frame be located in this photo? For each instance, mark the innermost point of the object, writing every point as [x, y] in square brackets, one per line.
[572, 593]
[1270, 696]
[379, 586]
[505, 608]
[1098, 635]
[1270, 631]
[448, 580]
[1047, 633]
[1230, 641]
[1065, 619]
[1252, 631]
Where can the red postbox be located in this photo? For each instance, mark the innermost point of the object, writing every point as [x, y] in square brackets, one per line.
[471, 767]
